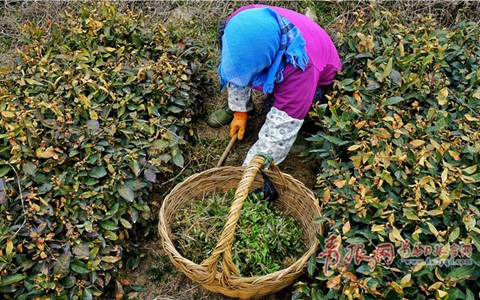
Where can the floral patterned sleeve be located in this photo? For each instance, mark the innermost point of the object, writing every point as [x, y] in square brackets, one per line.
[239, 99]
[276, 136]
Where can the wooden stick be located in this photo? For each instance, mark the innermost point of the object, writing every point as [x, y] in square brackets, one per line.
[229, 146]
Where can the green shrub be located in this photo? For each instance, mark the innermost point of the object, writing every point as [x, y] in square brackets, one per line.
[97, 110]
[399, 154]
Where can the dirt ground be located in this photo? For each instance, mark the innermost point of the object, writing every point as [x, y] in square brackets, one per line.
[175, 285]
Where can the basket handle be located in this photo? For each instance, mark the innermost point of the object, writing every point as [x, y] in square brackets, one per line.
[225, 242]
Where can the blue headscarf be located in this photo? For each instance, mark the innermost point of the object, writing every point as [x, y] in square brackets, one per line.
[253, 46]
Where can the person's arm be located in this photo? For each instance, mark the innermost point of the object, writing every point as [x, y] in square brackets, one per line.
[239, 101]
[276, 136]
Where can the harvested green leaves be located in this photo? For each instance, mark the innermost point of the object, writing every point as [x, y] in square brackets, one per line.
[266, 238]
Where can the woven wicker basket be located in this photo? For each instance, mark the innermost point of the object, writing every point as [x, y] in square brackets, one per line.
[218, 273]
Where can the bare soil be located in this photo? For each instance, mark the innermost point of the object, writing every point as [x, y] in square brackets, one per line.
[174, 285]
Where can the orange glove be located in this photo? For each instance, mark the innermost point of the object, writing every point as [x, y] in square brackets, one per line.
[239, 123]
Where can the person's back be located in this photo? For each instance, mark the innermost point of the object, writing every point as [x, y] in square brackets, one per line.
[320, 48]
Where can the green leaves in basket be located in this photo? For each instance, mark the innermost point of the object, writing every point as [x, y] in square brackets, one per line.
[266, 238]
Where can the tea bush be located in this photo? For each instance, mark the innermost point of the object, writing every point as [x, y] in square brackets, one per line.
[399, 154]
[97, 110]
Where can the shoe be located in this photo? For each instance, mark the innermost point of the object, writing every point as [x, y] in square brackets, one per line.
[220, 118]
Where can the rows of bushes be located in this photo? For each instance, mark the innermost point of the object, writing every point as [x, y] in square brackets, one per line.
[96, 110]
[399, 151]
